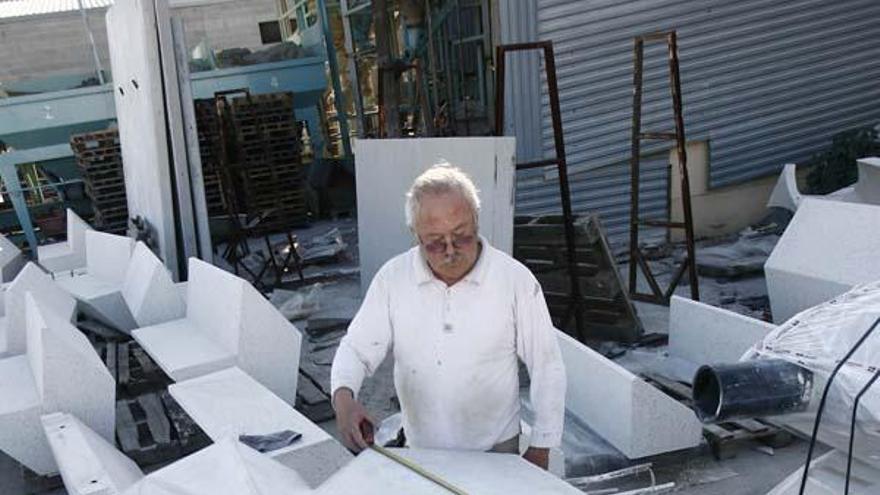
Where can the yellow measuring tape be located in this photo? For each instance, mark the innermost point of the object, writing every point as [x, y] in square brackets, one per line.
[418, 469]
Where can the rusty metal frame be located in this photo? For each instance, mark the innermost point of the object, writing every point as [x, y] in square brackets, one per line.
[576, 304]
[637, 259]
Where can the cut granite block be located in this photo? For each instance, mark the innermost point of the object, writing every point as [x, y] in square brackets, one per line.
[484, 473]
[11, 259]
[88, 463]
[828, 248]
[70, 254]
[59, 372]
[704, 334]
[632, 415]
[149, 291]
[227, 323]
[99, 291]
[13, 326]
[225, 467]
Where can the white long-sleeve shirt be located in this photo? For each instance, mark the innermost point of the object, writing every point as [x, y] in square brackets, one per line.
[455, 351]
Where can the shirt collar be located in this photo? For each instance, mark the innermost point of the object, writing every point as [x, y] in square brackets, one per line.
[423, 273]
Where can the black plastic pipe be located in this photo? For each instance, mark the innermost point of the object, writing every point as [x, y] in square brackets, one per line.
[751, 389]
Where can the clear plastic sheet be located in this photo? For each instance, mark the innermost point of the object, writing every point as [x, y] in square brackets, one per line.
[817, 339]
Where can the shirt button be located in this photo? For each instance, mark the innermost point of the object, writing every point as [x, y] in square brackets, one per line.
[447, 327]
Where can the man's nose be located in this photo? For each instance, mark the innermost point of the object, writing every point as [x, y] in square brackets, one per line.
[450, 247]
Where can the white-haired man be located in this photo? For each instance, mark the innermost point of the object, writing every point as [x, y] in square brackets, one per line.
[458, 315]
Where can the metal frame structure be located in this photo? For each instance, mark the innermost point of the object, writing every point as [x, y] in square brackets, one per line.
[9, 163]
[636, 257]
[433, 61]
[576, 304]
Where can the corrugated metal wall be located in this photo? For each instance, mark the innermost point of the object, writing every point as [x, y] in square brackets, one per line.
[766, 81]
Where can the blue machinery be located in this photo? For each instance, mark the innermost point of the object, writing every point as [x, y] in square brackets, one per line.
[39, 126]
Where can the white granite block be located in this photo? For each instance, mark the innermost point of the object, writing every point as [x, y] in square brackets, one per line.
[149, 291]
[828, 248]
[99, 299]
[99, 292]
[868, 186]
[214, 300]
[269, 346]
[785, 193]
[635, 417]
[223, 404]
[20, 408]
[225, 467]
[88, 463]
[227, 323]
[704, 334]
[371, 473]
[108, 255]
[182, 350]
[827, 477]
[60, 372]
[33, 279]
[11, 259]
[70, 254]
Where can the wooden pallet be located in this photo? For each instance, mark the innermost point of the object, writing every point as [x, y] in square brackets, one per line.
[99, 158]
[727, 438]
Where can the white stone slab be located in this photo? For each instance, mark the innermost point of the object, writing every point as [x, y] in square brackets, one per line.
[99, 291]
[828, 248]
[11, 259]
[704, 334]
[483, 473]
[231, 403]
[14, 325]
[868, 186]
[182, 350]
[227, 323]
[149, 291]
[100, 300]
[225, 467]
[785, 193]
[70, 254]
[108, 256]
[826, 477]
[386, 168]
[141, 112]
[269, 346]
[633, 416]
[60, 372]
[88, 463]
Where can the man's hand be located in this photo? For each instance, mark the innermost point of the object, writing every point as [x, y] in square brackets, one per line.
[538, 456]
[352, 420]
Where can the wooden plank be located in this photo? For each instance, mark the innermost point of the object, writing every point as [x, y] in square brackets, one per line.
[126, 428]
[157, 422]
[110, 358]
[123, 377]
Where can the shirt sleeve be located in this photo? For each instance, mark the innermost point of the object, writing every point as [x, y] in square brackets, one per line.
[537, 346]
[367, 341]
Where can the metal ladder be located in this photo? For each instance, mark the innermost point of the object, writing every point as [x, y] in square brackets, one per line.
[637, 259]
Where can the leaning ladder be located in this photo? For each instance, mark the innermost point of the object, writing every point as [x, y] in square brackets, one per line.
[636, 257]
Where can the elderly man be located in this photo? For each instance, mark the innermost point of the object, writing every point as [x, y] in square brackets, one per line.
[457, 314]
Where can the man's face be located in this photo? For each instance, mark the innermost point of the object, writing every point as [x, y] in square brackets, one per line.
[448, 235]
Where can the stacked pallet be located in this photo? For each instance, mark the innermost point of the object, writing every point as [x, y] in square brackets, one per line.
[99, 157]
[268, 160]
[209, 144]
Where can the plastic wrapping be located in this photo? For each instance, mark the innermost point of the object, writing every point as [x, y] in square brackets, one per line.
[817, 339]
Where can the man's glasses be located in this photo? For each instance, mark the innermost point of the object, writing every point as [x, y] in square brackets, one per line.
[458, 242]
